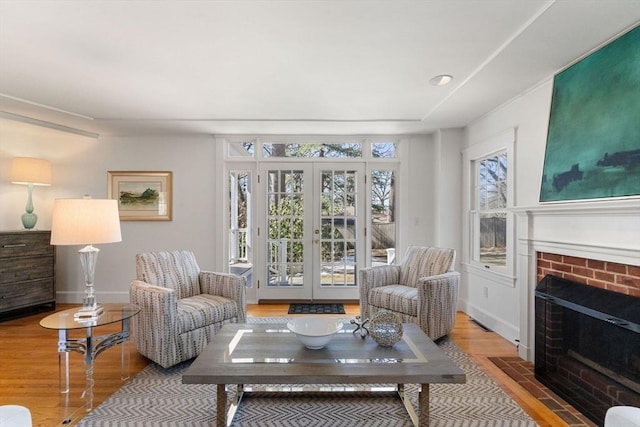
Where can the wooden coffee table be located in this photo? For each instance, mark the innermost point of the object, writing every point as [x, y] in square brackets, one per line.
[270, 354]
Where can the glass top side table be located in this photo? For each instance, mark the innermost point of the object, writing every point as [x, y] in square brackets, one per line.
[89, 346]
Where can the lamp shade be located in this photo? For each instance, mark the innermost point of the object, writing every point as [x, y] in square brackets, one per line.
[85, 222]
[28, 170]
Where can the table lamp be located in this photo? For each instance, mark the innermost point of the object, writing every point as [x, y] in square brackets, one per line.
[29, 171]
[86, 222]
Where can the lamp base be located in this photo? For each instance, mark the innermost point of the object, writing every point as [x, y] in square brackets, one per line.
[85, 314]
[29, 220]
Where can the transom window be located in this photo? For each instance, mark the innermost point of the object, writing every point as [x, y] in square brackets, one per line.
[311, 150]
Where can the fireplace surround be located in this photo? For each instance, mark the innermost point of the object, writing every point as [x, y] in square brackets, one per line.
[587, 345]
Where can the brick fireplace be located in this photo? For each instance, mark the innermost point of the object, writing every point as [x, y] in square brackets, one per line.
[621, 278]
[587, 331]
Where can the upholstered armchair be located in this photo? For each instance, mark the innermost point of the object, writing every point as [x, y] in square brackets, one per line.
[422, 289]
[182, 307]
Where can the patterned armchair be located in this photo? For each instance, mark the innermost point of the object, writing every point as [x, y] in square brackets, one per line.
[423, 289]
[182, 307]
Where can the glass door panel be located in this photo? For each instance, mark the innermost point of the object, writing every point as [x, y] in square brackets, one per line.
[339, 230]
[287, 229]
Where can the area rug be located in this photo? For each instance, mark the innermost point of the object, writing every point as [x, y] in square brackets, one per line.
[157, 397]
[316, 309]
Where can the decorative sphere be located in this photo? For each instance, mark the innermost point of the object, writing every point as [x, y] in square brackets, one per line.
[385, 328]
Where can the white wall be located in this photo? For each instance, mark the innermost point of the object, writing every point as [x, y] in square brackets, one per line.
[416, 193]
[484, 297]
[80, 167]
[448, 182]
[430, 179]
[607, 229]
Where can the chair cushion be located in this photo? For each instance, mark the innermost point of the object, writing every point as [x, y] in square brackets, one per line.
[398, 298]
[424, 262]
[203, 310]
[177, 270]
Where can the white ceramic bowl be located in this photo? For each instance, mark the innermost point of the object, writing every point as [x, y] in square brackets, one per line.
[314, 332]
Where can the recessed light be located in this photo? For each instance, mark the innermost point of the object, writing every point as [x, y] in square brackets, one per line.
[441, 80]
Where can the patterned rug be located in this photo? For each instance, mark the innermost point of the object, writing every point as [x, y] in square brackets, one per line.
[316, 308]
[157, 397]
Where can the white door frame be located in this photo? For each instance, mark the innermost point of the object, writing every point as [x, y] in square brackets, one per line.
[307, 285]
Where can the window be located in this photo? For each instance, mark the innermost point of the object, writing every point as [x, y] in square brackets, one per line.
[383, 150]
[312, 150]
[488, 200]
[383, 216]
[490, 213]
[242, 149]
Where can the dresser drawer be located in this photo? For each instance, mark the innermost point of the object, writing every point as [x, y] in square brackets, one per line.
[23, 294]
[25, 268]
[25, 244]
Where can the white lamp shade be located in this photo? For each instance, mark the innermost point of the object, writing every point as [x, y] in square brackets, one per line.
[85, 222]
[28, 170]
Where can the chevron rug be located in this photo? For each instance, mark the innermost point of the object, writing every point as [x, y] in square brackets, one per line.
[157, 397]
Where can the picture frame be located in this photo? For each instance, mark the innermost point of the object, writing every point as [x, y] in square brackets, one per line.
[141, 196]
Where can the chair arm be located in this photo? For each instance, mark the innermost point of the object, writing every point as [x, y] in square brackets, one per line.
[155, 330]
[437, 303]
[229, 286]
[374, 277]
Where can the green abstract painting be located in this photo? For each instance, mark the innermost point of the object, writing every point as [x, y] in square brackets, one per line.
[593, 142]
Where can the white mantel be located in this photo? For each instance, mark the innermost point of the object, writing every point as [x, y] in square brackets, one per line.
[603, 230]
[608, 231]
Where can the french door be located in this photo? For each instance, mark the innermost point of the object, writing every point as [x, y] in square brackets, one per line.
[312, 231]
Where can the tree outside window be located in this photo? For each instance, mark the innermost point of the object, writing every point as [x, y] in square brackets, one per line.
[491, 210]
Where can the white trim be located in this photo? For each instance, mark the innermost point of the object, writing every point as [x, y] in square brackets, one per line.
[501, 141]
[628, 256]
[498, 277]
[618, 206]
[48, 125]
[488, 320]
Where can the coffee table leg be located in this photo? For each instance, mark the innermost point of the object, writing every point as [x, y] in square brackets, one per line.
[221, 405]
[411, 411]
[423, 404]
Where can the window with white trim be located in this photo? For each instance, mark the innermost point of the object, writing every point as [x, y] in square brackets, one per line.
[489, 213]
[489, 197]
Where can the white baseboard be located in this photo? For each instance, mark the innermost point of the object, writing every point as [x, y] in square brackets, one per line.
[506, 330]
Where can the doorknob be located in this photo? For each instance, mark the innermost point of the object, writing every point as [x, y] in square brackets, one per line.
[316, 232]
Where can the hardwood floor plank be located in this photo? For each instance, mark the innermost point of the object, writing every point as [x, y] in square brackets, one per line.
[29, 365]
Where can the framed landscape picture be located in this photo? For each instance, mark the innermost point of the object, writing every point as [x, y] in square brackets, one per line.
[142, 196]
[593, 142]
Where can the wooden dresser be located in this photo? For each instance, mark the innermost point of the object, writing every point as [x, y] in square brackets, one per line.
[27, 271]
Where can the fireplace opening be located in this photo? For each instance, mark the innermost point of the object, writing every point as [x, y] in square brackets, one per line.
[587, 345]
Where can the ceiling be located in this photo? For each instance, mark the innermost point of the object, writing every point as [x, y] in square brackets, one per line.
[285, 67]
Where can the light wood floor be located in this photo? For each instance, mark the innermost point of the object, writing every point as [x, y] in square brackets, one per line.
[29, 365]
